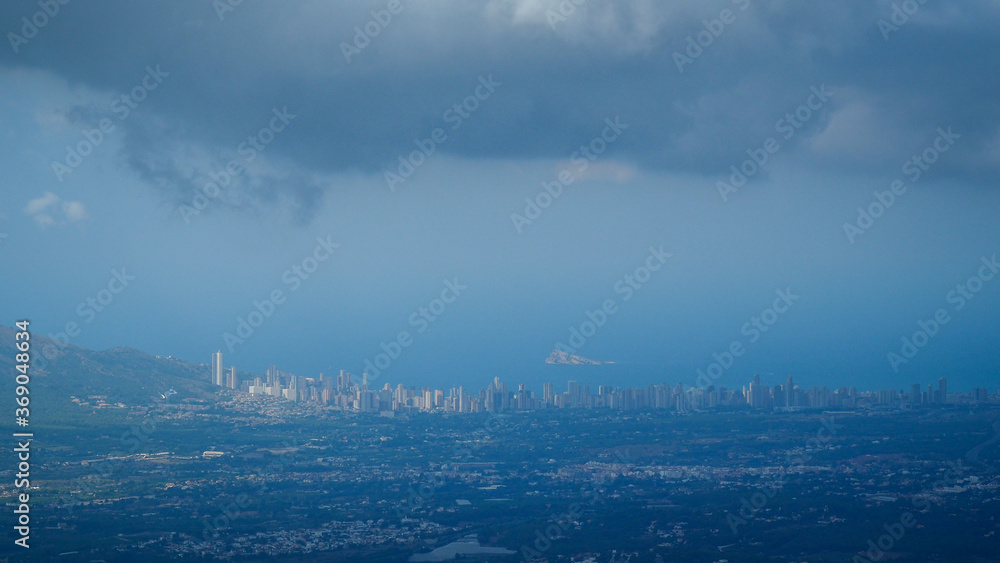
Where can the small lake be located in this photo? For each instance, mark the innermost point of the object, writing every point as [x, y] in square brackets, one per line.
[468, 545]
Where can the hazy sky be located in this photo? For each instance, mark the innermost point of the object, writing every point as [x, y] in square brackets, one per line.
[618, 99]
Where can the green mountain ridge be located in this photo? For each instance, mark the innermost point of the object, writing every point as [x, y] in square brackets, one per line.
[121, 374]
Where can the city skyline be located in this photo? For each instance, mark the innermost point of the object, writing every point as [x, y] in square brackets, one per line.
[346, 393]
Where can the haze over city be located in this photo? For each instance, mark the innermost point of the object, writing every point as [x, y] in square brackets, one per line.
[219, 78]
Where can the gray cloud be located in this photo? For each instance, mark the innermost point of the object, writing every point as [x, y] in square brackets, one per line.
[559, 82]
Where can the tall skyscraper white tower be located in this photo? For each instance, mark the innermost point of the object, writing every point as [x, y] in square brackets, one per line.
[217, 377]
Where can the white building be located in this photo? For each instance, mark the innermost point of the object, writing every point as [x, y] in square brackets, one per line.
[217, 377]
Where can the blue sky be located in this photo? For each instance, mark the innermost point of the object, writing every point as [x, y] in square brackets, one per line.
[211, 82]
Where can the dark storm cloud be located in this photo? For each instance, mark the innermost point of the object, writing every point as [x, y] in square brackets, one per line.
[558, 81]
[199, 177]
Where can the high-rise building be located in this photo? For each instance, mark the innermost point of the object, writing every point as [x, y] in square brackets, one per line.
[789, 392]
[496, 398]
[343, 381]
[662, 397]
[232, 378]
[548, 393]
[573, 388]
[943, 390]
[217, 377]
[915, 394]
[755, 397]
[367, 401]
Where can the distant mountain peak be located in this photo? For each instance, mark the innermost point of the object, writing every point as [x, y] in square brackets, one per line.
[122, 374]
[565, 358]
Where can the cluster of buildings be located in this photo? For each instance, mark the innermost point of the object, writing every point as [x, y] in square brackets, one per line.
[791, 396]
[347, 393]
[221, 376]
